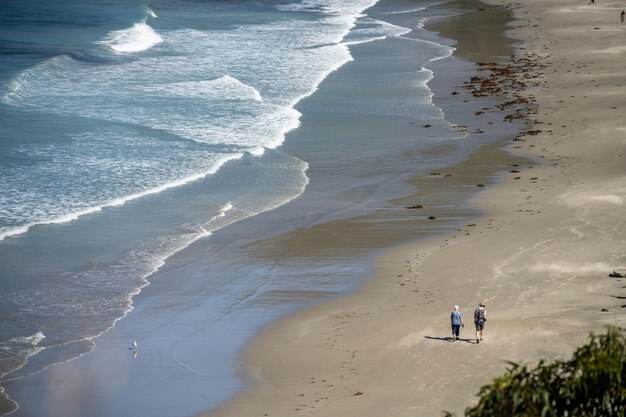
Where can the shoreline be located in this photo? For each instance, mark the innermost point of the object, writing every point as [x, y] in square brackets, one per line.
[282, 297]
[215, 278]
[539, 257]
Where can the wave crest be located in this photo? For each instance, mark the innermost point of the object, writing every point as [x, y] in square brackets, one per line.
[137, 38]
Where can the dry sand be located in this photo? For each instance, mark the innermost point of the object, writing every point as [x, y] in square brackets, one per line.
[539, 257]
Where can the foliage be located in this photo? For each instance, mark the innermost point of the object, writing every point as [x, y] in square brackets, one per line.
[591, 383]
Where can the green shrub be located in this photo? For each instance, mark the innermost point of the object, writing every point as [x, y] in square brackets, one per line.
[591, 383]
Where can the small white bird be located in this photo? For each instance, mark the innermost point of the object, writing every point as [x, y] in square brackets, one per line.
[134, 344]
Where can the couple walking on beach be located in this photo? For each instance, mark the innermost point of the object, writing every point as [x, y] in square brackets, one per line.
[480, 317]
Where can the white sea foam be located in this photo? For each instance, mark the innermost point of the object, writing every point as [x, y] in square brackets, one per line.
[225, 209]
[139, 37]
[256, 151]
[342, 13]
[446, 51]
[223, 88]
[366, 40]
[32, 340]
[344, 7]
[120, 201]
[419, 9]
[424, 82]
[381, 30]
[421, 23]
[17, 90]
[26, 345]
[284, 120]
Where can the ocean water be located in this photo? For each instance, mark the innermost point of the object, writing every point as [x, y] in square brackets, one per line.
[131, 129]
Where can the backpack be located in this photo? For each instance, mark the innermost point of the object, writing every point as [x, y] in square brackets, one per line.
[479, 314]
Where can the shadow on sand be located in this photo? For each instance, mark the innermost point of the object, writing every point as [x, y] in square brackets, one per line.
[449, 339]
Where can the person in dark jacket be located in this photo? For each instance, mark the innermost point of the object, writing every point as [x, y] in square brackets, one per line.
[480, 317]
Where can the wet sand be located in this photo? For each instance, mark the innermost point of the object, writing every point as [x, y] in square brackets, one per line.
[552, 229]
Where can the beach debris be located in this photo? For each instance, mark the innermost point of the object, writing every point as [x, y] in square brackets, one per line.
[358, 393]
[616, 275]
[435, 173]
[605, 310]
[432, 218]
[517, 114]
[507, 80]
[461, 128]
[415, 206]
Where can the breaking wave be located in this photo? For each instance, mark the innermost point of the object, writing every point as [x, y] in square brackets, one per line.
[137, 38]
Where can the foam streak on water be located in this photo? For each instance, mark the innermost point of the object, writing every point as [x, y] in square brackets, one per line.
[119, 201]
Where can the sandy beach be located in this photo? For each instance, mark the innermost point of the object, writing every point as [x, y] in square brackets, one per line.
[551, 230]
[453, 154]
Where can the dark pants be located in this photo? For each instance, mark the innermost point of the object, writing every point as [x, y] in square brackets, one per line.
[455, 329]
